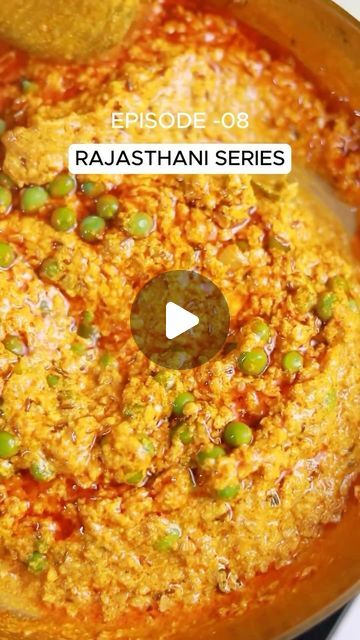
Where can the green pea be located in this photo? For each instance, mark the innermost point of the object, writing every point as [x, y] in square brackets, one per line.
[292, 361]
[261, 329]
[33, 198]
[5, 200]
[29, 86]
[9, 445]
[6, 181]
[253, 363]
[92, 228]
[42, 471]
[166, 543]
[50, 269]
[2, 126]
[52, 380]
[237, 433]
[210, 454]
[180, 401]
[7, 255]
[134, 478]
[229, 492]
[37, 562]
[63, 219]
[107, 206]
[139, 225]
[325, 305]
[62, 185]
[278, 243]
[92, 189]
[14, 344]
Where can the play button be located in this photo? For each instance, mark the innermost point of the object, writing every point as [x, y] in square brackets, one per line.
[180, 319]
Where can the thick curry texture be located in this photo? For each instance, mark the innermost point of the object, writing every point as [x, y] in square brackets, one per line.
[129, 517]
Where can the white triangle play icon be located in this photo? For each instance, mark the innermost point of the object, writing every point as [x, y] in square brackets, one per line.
[178, 320]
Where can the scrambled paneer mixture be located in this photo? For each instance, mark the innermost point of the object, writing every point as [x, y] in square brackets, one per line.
[129, 487]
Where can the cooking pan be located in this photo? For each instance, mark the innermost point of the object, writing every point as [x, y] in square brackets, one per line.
[286, 602]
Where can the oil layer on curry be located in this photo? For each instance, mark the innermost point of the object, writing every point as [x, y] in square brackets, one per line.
[125, 486]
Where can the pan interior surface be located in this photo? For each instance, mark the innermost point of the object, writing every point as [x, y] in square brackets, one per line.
[284, 602]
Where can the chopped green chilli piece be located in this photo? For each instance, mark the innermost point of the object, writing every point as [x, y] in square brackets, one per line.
[78, 348]
[166, 542]
[14, 344]
[134, 478]
[42, 471]
[7, 255]
[107, 360]
[330, 400]
[148, 445]
[87, 331]
[37, 562]
[165, 379]
[338, 283]
[185, 435]
[278, 243]
[354, 305]
[52, 380]
[229, 492]
[5, 200]
[210, 454]
[29, 86]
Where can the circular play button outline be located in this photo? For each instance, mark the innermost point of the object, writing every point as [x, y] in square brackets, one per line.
[180, 319]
